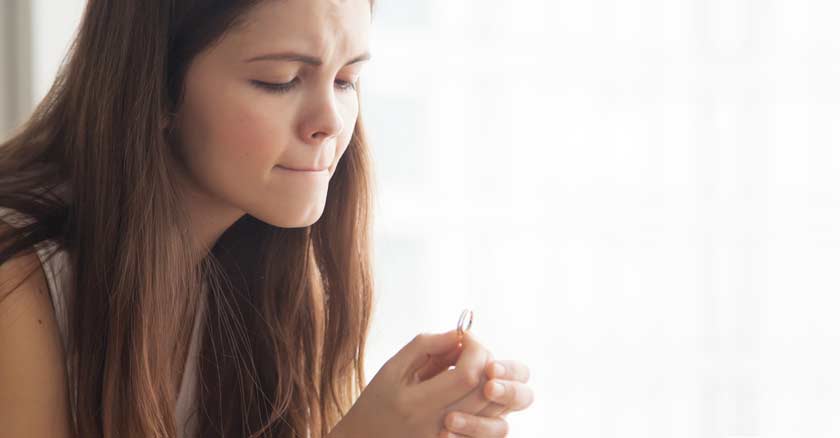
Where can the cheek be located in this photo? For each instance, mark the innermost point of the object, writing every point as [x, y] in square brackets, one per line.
[229, 130]
[251, 134]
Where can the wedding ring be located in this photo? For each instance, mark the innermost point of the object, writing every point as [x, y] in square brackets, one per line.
[467, 313]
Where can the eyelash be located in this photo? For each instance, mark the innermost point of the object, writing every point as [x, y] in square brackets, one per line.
[287, 86]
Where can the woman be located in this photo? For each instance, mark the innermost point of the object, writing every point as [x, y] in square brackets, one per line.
[196, 188]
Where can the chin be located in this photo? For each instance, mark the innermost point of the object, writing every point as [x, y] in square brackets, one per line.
[286, 220]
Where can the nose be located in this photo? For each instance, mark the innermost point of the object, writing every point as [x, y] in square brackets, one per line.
[323, 119]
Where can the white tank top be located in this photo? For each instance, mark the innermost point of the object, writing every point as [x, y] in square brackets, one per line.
[57, 270]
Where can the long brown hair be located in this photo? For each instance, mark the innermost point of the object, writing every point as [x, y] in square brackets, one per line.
[288, 309]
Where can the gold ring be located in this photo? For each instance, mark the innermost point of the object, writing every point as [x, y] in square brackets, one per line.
[467, 313]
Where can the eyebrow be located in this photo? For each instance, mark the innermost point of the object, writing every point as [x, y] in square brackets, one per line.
[306, 59]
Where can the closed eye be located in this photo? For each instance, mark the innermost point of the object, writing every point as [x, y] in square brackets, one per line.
[288, 86]
[275, 88]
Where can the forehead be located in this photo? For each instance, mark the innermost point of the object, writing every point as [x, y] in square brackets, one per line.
[317, 27]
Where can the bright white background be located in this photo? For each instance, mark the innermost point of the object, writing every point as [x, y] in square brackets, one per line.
[640, 200]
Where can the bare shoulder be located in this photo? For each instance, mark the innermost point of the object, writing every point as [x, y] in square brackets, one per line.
[33, 382]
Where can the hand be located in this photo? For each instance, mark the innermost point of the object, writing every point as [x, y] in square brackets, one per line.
[489, 420]
[484, 411]
[514, 395]
[397, 403]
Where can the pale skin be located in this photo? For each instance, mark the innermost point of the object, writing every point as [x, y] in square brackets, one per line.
[240, 137]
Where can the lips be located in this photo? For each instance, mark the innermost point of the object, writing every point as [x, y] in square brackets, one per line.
[303, 169]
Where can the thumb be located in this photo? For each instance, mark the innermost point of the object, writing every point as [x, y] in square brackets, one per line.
[422, 347]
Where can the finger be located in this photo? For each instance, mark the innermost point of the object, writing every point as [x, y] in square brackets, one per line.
[508, 370]
[472, 403]
[417, 352]
[452, 385]
[437, 364]
[516, 396]
[474, 426]
[494, 410]
[447, 434]
[475, 401]
[440, 363]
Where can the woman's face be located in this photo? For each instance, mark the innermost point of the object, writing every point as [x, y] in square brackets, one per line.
[275, 94]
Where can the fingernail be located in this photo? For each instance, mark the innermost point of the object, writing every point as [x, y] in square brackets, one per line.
[498, 369]
[497, 389]
[458, 422]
